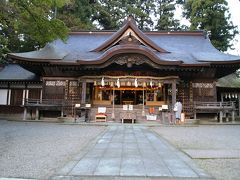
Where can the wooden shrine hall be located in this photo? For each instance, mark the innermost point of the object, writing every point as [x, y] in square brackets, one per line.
[110, 69]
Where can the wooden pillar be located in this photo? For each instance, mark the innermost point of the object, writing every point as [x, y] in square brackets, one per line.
[238, 104]
[143, 108]
[164, 93]
[222, 97]
[113, 104]
[23, 97]
[84, 91]
[173, 92]
[233, 113]
[121, 97]
[41, 95]
[215, 90]
[135, 97]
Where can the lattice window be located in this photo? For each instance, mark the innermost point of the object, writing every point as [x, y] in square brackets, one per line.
[54, 89]
[16, 97]
[74, 92]
[55, 83]
[203, 89]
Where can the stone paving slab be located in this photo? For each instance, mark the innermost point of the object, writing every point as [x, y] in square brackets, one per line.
[122, 178]
[15, 179]
[134, 152]
[212, 153]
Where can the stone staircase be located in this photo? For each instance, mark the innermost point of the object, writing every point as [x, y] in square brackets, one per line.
[118, 109]
[137, 111]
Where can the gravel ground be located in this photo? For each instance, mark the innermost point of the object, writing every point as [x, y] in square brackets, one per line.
[218, 137]
[37, 150]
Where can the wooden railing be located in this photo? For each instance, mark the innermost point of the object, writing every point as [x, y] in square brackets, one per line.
[221, 108]
[66, 106]
[214, 105]
[49, 102]
[59, 102]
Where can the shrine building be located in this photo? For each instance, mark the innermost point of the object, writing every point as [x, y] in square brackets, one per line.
[114, 68]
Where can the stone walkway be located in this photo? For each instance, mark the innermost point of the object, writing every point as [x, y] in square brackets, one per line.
[131, 151]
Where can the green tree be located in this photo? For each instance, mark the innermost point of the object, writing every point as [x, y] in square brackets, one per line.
[77, 14]
[214, 17]
[26, 25]
[141, 10]
[110, 14]
[165, 11]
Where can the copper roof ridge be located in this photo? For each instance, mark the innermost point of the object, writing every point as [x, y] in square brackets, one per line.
[182, 32]
[186, 33]
[91, 32]
[129, 23]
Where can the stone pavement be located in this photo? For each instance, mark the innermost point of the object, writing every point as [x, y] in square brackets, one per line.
[130, 151]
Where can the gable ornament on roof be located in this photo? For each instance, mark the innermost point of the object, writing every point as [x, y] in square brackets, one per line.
[129, 34]
[130, 60]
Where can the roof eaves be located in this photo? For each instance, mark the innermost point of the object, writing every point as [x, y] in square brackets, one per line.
[15, 57]
[120, 49]
[221, 62]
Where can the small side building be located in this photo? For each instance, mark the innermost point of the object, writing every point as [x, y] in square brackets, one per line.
[228, 90]
[16, 85]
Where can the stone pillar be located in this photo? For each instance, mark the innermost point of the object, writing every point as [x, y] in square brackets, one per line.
[84, 91]
[233, 116]
[25, 113]
[221, 113]
[37, 114]
[174, 92]
[221, 117]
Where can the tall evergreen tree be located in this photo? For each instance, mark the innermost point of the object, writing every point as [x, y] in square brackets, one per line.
[77, 14]
[214, 17]
[107, 14]
[141, 10]
[110, 14]
[165, 12]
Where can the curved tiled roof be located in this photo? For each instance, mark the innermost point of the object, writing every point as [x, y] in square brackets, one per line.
[229, 81]
[16, 73]
[186, 48]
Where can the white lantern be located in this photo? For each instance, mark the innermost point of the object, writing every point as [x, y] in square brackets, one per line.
[118, 83]
[102, 82]
[151, 83]
[136, 83]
